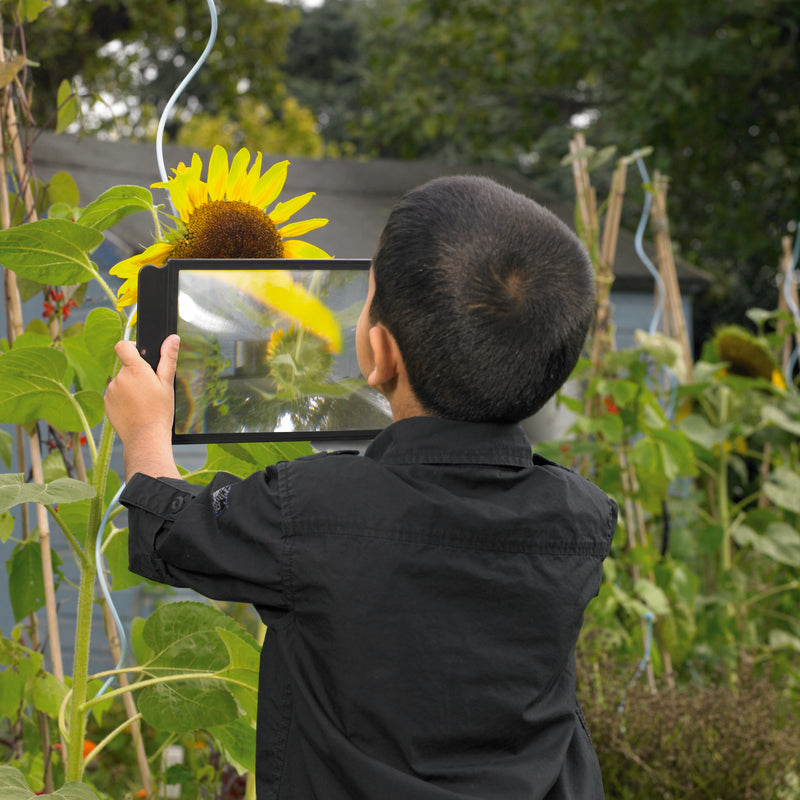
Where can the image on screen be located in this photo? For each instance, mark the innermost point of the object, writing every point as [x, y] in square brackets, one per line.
[272, 351]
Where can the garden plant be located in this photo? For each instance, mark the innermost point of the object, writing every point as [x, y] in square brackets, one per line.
[696, 618]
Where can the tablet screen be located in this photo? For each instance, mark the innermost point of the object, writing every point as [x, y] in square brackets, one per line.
[270, 354]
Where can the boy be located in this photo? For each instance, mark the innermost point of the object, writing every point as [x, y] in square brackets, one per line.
[423, 601]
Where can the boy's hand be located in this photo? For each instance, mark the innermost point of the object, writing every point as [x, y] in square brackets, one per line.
[140, 407]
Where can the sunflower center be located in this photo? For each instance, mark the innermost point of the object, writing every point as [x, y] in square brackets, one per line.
[229, 229]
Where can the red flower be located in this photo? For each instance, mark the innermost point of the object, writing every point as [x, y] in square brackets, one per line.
[611, 406]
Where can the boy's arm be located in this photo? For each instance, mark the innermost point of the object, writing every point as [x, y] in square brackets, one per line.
[140, 407]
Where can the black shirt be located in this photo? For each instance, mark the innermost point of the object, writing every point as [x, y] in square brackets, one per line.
[423, 602]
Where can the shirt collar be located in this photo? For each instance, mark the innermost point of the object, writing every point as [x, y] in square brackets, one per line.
[429, 440]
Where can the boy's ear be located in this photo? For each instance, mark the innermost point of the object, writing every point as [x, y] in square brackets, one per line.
[386, 357]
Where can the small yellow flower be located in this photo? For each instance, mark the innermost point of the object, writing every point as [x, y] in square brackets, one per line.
[225, 216]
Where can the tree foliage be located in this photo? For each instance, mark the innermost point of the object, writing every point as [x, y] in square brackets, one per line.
[132, 55]
[711, 87]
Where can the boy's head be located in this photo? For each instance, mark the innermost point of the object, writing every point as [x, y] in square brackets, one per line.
[488, 295]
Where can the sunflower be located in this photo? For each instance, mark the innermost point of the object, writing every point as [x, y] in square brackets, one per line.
[225, 217]
[747, 355]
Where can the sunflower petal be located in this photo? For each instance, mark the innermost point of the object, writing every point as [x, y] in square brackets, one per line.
[283, 211]
[270, 185]
[294, 248]
[157, 255]
[237, 174]
[217, 173]
[250, 181]
[301, 228]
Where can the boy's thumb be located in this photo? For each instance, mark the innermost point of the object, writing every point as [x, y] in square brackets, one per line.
[168, 362]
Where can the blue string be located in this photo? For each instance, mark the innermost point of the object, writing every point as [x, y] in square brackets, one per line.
[177, 93]
[638, 242]
[788, 279]
[648, 648]
[98, 555]
[639, 246]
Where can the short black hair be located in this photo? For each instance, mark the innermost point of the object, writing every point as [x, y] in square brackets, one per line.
[488, 294]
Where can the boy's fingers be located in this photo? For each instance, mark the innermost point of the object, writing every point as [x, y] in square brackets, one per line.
[127, 353]
[169, 358]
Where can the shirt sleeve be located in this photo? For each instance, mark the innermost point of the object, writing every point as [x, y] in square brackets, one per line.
[224, 540]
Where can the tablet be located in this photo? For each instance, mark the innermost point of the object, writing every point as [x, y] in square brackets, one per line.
[267, 348]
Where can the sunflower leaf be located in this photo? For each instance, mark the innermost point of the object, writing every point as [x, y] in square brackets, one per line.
[115, 204]
[50, 251]
[32, 387]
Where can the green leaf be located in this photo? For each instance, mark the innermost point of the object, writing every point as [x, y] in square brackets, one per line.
[25, 579]
[9, 70]
[238, 738]
[700, 431]
[6, 447]
[783, 489]
[6, 526]
[15, 490]
[61, 188]
[774, 416]
[182, 706]
[47, 693]
[116, 553]
[90, 350]
[173, 629]
[68, 106]
[115, 204]
[50, 251]
[30, 9]
[32, 387]
[12, 694]
[653, 596]
[185, 638]
[780, 542]
[245, 458]
[141, 649]
[244, 656]
[75, 515]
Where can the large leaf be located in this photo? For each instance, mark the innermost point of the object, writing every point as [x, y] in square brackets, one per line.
[90, 350]
[242, 459]
[13, 786]
[180, 706]
[6, 445]
[25, 578]
[185, 639]
[32, 387]
[244, 656]
[68, 106]
[783, 489]
[239, 740]
[51, 251]
[15, 490]
[115, 204]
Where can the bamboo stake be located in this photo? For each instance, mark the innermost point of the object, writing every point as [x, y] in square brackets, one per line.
[783, 305]
[674, 319]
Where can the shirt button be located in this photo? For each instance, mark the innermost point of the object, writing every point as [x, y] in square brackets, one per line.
[176, 504]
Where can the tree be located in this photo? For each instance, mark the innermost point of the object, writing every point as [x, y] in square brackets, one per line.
[711, 87]
[132, 55]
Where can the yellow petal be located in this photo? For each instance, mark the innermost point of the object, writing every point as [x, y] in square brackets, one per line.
[182, 199]
[295, 248]
[301, 228]
[270, 185]
[283, 211]
[250, 181]
[157, 255]
[237, 175]
[277, 289]
[217, 173]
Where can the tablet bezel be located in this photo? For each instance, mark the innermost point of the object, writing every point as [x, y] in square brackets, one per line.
[157, 318]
